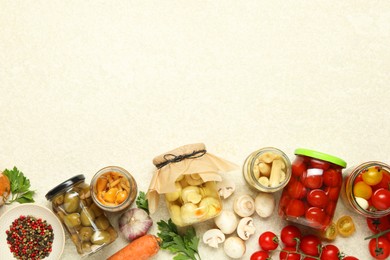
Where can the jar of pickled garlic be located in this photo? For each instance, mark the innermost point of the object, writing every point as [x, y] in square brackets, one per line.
[113, 189]
[311, 195]
[366, 189]
[87, 224]
[267, 169]
[187, 176]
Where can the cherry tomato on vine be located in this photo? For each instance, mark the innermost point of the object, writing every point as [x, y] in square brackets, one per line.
[380, 250]
[268, 241]
[260, 255]
[330, 252]
[289, 234]
[372, 176]
[313, 182]
[362, 190]
[345, 226]
[318, 164]
[317, 198]
[286, 255]
[381, 199]
[309, 245]
[295, 208]
[377, 225]
[332, 178]
[315, 215]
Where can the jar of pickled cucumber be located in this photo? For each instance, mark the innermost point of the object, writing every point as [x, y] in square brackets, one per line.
[87, 224]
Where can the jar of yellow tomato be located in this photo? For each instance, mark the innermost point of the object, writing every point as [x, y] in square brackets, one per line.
[113, 189]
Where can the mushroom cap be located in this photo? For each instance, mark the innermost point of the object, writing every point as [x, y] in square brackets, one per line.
[244, 205]
[234, 247]
[213, 237]
[226, 221]
[226, 188]
[246, 228]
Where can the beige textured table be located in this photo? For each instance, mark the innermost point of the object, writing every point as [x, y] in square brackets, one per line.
[87, 84]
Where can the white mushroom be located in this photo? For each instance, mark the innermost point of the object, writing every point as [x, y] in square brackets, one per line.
[191, 194]
[234, 247]
[194, 179]
[213, 237]
[246, 228]
[226, 221]
[265, 204]
[244, 206]
[226, 188]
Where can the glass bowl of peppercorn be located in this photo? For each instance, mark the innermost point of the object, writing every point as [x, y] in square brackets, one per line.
[30, 231]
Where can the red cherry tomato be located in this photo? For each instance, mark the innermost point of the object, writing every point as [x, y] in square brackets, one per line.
[289, 234]
[268, 241]
[295, 208]
[260, 255]
[381, 199]
[358, 178]
[309, 245]
[318, 164]
[330, 208]
[296, 190]
[332, 193]
[298, 167]
[332, 178]
[315, 216]
[286, 255]
[330, 252]
[377, 225]
[317, 198]
[380, 250]
[313, 182]
[385, 182]
[350, 258]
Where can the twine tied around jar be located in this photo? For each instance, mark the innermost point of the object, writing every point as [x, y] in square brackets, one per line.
[178, 158]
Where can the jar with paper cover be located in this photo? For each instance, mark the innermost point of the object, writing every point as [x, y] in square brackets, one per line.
[187, 177]
[311, 195]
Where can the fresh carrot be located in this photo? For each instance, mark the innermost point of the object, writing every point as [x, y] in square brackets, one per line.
[140, 249]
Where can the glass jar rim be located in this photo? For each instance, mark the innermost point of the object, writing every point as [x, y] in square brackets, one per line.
[322, 156]
[354, 174]
[121, 170]
[256, 153]
[64, 185]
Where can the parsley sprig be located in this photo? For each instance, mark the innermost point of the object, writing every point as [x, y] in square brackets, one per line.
[20, 186]
[142, 201]
[184, 246]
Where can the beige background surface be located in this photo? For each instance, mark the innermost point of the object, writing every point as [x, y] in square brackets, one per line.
[86, 84]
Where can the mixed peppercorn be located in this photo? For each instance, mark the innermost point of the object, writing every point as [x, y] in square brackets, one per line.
[30, 238]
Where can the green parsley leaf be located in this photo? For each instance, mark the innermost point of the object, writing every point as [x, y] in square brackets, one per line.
[142, 201]
[20, 186]
[184, 246]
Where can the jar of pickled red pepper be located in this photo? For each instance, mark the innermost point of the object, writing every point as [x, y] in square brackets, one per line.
[310, 197]
[87, 224]
[366, 189]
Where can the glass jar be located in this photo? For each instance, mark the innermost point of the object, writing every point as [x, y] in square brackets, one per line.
[310, 197]
[113, 189]
[267, 169]
[193, 201]
[363, 186]
[87, 225]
